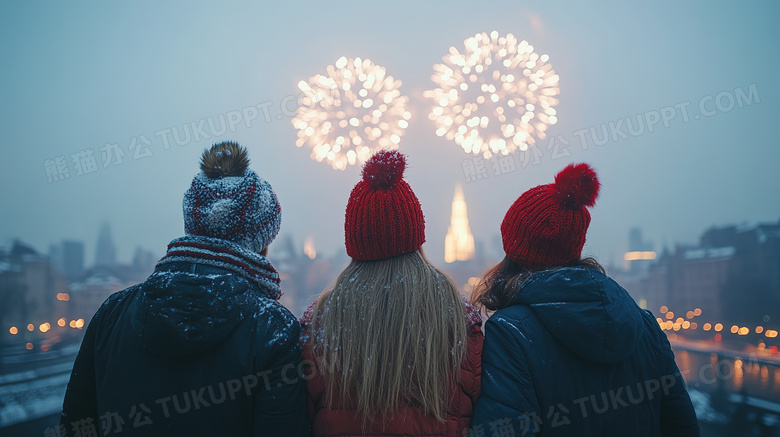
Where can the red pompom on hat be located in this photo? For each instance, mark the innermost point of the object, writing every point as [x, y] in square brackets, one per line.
[546, 225]
[383, 217]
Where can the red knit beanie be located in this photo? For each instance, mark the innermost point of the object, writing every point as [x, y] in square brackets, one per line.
[383, 217]
[546, 225]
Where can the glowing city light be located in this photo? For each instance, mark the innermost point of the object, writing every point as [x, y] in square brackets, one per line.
[29, 346]
[459, 242]
[63, 297]
[472, 282]
[13, 330]
[683, 324]
[61, 322]
[495, 97]
[30, 327]
[308, 248]
[639, 255]
[351, 112]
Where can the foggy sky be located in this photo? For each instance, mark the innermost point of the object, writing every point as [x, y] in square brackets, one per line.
[80, 76]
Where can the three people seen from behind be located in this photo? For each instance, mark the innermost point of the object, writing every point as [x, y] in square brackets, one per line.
[392, 348]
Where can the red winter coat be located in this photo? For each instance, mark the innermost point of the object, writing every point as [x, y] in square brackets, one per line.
[335, 420]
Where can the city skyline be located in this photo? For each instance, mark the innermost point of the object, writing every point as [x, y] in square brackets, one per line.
[303, 243]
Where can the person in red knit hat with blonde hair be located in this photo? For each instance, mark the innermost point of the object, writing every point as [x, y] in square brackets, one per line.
[396, 349]
[567, 350]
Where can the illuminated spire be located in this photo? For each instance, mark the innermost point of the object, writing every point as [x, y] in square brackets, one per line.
[308, 248]
[459, 243]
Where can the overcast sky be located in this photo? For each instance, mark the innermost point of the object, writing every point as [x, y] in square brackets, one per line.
[78, 76]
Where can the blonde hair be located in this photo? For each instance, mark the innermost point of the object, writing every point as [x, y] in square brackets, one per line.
[390, 332]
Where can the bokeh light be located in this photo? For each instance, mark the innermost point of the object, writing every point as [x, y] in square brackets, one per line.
[350, 113]
[495, 97]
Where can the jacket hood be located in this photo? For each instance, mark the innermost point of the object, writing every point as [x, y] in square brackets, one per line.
[585, 310]
[182, 313]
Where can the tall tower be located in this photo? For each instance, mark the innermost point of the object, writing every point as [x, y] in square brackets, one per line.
[459, 243]
[106, 252]
[72, 258]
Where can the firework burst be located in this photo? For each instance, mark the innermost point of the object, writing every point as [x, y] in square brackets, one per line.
[496, 97]
[351, 112]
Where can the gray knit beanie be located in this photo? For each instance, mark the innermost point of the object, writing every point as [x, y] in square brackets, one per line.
[227, 200]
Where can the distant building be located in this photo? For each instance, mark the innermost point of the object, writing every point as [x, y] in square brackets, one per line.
[68, 258]
[304, 275]
[640, 253]
[636, 242]
[43, 297]
[144, 260]
[458, 243]
[732, 276]
[55, 257]
[286, 260]
[31, 292]
[105, 254]
[88, 294]
[496, 249]
[72, 258]
[284, 248]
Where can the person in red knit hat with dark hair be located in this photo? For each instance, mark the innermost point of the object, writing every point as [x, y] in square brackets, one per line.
[567, 351]
[396, 349]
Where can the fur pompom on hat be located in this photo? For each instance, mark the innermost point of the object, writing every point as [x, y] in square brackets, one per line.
[546, 225]
[383, 217]
[227, 200]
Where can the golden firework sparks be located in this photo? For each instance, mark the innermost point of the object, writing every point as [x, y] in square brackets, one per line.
[496, 97]
[351, 112]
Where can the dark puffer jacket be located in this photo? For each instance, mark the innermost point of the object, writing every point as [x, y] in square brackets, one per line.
[194, 350]
[575, 355]
[331, 417]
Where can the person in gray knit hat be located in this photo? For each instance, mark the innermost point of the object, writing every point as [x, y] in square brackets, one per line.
[229, 201]
[202, 347]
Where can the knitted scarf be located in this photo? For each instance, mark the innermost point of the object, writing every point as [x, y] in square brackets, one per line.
[227, 255]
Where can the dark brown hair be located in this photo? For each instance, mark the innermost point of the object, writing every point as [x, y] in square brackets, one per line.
[499, 285]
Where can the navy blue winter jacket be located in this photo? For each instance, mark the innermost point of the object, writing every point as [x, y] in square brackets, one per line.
[574, 355]
[195, 350]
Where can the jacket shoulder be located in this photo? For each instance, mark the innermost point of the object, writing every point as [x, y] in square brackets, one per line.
[515, 314]
[275, 323]
[116, 302]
